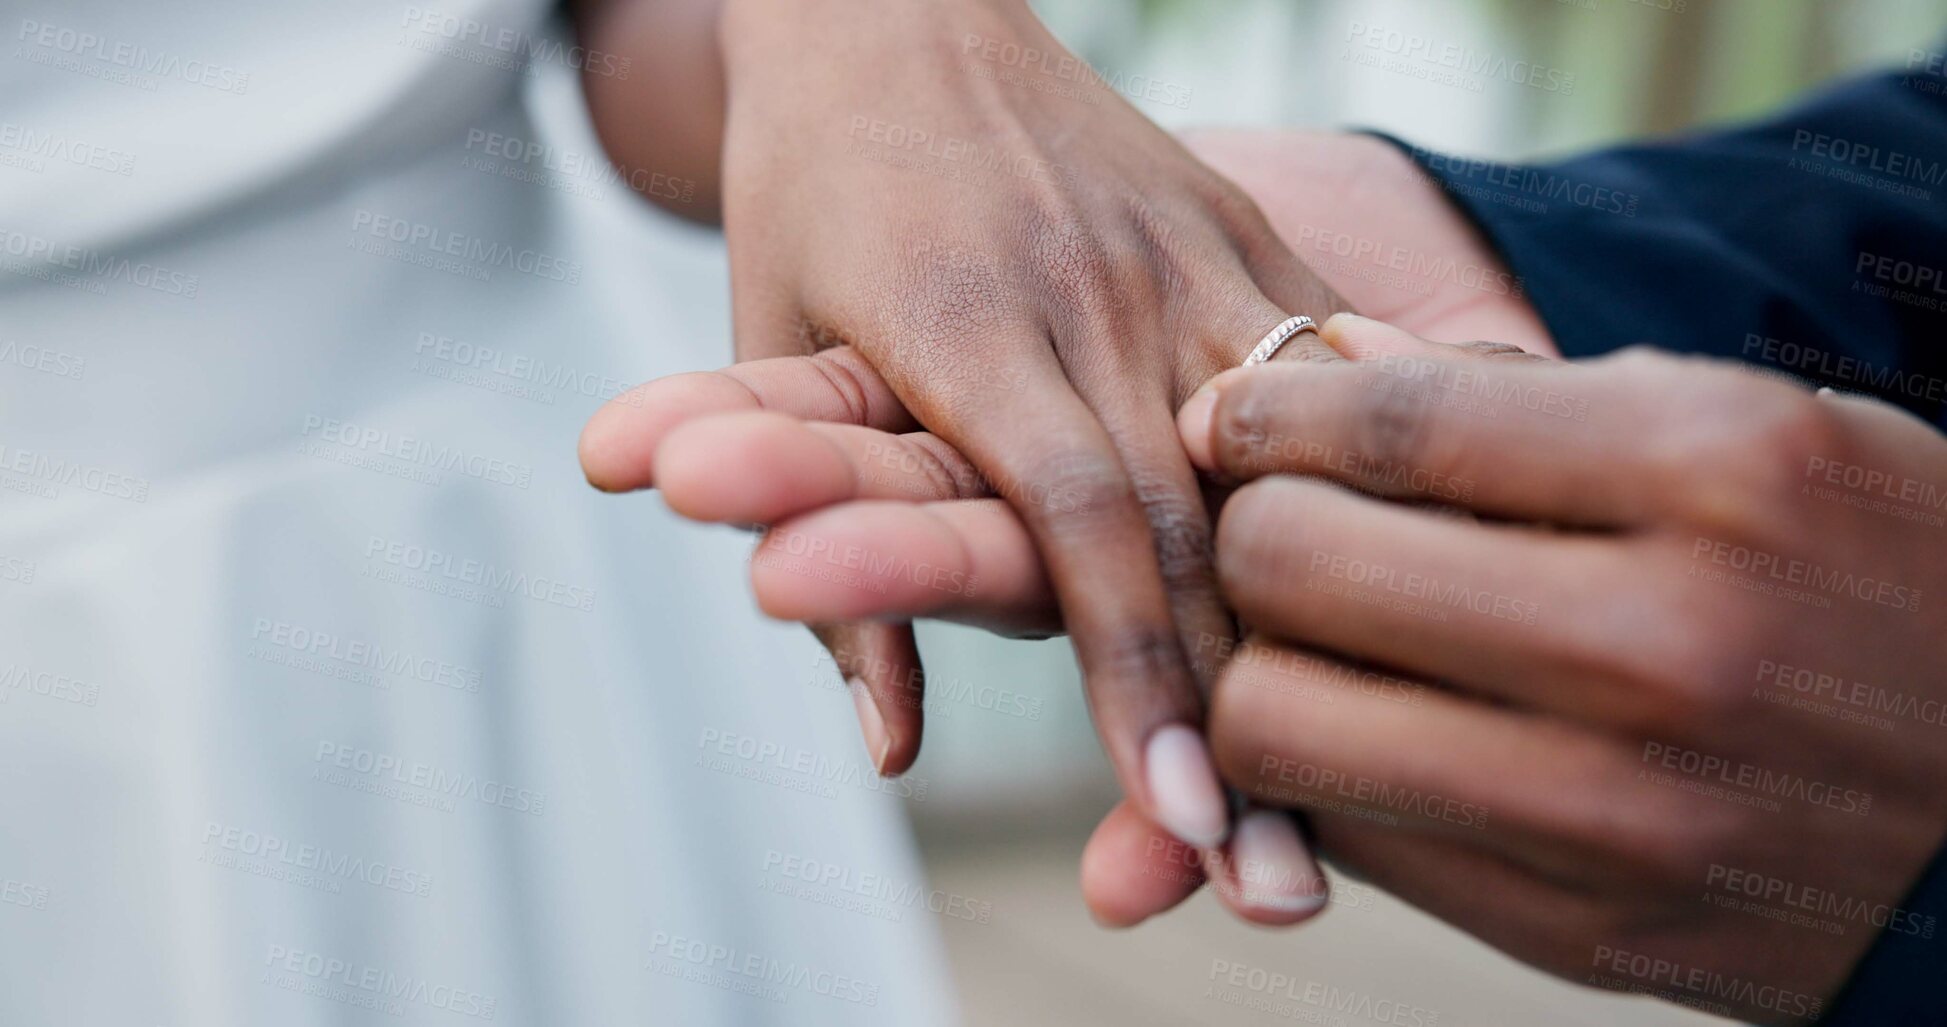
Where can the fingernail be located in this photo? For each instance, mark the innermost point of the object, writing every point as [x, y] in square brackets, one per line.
[1194, 423]
[1183, 786]
[1274, 866]
[878, 742]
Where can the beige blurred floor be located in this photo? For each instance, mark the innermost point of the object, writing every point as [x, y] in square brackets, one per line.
[1041, 960]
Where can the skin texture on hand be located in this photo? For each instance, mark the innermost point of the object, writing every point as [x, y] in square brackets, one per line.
[805, 444]
[1318, 190]
[1039, 282]
[1720, 649]
[664, 124]
[1721, 820]
[1580, 872]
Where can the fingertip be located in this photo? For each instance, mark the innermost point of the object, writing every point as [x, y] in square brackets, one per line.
[1194, 426]
[872, 726]
[1362, 338]
[1132, 870]
[885, 666]
[1185, 796]
[1272, 878]
[1196, 420]
[604, 451]
[1107, 905]
[618, 445]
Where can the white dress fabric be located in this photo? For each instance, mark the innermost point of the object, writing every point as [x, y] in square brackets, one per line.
[329, 692]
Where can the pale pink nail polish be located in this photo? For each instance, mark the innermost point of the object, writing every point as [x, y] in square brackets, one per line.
[878, 741]
[1183, 791]
[1273, 866]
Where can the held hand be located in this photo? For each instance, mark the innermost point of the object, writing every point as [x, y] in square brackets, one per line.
[1352, 203]
[1724, 654]
[907, 500]
[816, 436]
[1040, 279]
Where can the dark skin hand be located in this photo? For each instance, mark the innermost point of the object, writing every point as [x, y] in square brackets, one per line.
[1038, 281]
[767, 441]
[1628, 667]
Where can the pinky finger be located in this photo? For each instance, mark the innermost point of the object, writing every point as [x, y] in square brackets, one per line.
[881, 667]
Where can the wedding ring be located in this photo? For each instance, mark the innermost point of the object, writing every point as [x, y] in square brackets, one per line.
[1269, 346]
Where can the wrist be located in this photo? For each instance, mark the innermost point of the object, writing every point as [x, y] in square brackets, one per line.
[768, 34]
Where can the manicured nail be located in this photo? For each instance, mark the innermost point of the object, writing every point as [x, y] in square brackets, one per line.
[878, 742]
[1274, 866]
[1194, 423]
[1183, 787]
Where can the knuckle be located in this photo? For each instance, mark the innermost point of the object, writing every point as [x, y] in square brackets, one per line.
[1240, 427]
[1670, 852]
[1752, 434]
[1080, 484]
[1181, 534]
[1393, 427]
[1691, 678]
[1233, 208]
[1645, 360]
[1260, 535]
[1133, 653]
[939, 481]
[1697, 675]
[1791, 428]
[840, 369]
[1763, 431]
[947, 469]
[1715, 658]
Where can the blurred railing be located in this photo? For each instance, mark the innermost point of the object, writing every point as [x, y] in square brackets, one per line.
[1640, 66]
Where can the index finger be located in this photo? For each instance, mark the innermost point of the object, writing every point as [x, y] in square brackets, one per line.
[1541, 441]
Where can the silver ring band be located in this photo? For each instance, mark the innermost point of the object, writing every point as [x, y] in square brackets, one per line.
[1269, 346]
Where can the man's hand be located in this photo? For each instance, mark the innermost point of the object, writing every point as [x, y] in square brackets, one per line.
[1687, 740]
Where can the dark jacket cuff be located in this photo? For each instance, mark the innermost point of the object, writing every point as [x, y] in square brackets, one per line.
[1813, 243]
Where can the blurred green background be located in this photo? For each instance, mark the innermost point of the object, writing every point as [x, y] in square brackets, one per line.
[1642, 66]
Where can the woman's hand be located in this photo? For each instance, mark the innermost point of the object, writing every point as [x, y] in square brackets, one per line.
[1041, 276]
[841, 435]
[1686, 739]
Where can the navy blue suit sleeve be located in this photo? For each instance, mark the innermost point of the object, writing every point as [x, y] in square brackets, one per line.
[1813, 243]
